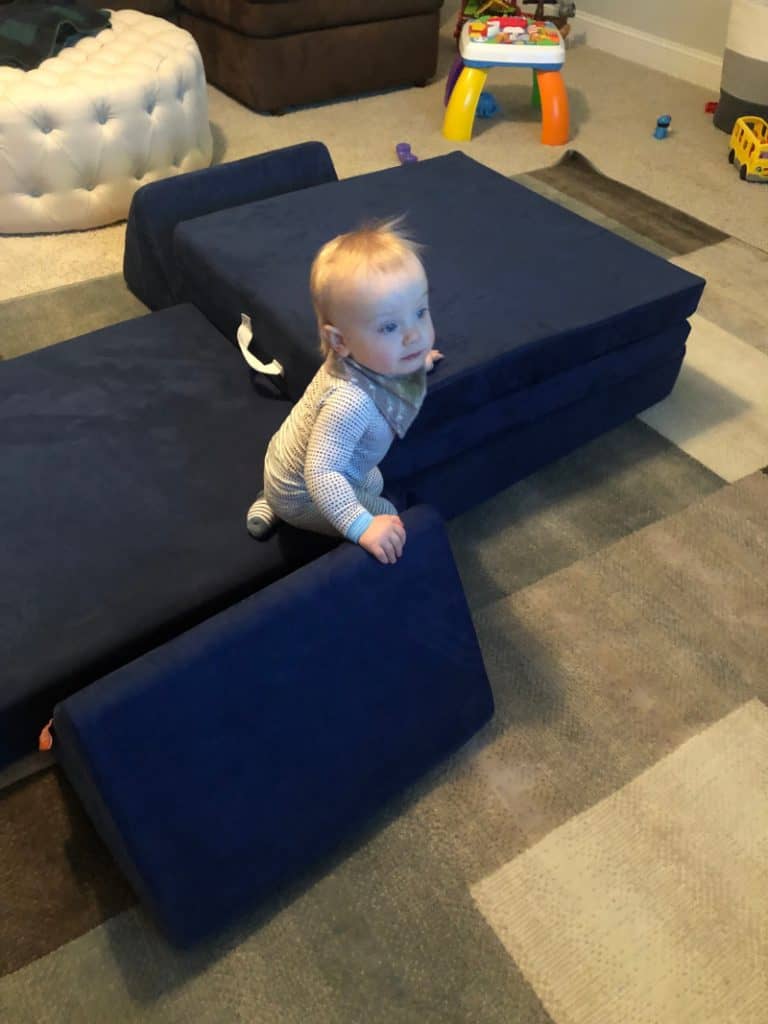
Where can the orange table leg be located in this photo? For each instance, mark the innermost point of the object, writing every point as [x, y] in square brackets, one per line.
[555, 126]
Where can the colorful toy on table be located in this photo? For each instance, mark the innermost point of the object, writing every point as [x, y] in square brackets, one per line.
[481, 7]
[556, 11]
[520, 40]
[514, 31]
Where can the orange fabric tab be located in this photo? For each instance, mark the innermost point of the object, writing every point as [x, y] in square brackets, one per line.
[45, 742]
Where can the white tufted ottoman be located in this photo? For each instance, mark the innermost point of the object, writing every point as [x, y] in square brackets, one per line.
[80, 133]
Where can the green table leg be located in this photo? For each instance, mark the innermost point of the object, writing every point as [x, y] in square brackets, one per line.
[535, 94]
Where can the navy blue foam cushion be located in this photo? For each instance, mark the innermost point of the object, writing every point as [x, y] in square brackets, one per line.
[129, 458]
[430, 443]
[461, 482]
[521, 289]
[224, 763]
[158, 207]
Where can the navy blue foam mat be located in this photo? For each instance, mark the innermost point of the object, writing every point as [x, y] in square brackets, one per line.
[521, 288]
[128, 461]
[455, 485]
[224, 763]
[429, 442]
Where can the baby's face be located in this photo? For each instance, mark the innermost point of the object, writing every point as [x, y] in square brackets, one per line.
[384, 322]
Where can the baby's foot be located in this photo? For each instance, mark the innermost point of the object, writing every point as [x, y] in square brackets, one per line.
[261, 521]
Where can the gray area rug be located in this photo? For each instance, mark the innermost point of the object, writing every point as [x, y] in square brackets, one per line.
[599, 671]
[35, 321]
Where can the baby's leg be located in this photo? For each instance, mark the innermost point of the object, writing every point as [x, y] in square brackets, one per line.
[308, 516]
[305, 515]
[260, 520]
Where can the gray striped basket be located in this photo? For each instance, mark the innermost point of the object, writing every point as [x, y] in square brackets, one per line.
[744, 83]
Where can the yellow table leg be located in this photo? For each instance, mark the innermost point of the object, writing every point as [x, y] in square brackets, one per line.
[460, 112]
[555, 126]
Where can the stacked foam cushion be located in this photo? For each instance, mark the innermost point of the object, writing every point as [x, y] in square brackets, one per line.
[537, 310]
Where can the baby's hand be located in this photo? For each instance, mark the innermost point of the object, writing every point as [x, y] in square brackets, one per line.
[384, 539]
[432, 358]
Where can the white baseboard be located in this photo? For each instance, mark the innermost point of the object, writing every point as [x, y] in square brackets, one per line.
[651, 51]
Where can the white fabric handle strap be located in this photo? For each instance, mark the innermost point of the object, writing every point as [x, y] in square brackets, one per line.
[244, 339]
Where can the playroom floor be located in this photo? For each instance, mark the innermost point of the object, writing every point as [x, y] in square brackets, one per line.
[614, 106]
[616, 806]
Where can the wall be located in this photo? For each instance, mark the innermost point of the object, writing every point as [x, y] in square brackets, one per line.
[699, 24]
[682, 38]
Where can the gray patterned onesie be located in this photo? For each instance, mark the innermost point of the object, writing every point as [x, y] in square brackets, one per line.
[321, 469]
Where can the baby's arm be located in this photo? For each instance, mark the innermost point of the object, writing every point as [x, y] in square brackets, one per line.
[337, 432]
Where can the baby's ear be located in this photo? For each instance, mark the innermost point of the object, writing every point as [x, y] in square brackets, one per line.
[334, 339]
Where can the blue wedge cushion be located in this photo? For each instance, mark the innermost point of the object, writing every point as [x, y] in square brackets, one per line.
[521, 289]
[156, 208]
[224, 763]
[128, 461]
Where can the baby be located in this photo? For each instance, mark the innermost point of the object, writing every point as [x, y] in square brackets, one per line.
[370, 294]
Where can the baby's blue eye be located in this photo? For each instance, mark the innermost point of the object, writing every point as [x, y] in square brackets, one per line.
[422, 313]
[388, 328]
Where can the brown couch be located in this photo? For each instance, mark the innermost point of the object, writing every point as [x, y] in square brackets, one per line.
[272, 54]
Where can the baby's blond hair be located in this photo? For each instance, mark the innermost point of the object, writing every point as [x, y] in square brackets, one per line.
[378, 247]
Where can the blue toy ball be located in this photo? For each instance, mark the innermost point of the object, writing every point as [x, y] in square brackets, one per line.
[486, 105]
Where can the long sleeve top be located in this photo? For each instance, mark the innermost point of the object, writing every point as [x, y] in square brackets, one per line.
[329, 444]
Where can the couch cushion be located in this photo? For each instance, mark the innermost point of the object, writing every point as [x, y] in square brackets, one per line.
[457, 484]
[224, 763]
[270, 74]
[129, 458]
[521, 289]
[157, 208]
[285, 17]
[430, 442]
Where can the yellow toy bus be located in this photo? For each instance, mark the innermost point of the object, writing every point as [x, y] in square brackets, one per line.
[749, 148]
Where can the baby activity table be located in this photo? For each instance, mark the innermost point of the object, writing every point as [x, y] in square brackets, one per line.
[516, 41]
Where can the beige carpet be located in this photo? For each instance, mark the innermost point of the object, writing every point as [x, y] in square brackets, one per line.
[614, 106]
[651, 905]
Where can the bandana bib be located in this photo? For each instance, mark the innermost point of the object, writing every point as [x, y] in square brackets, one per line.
[398, 398]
